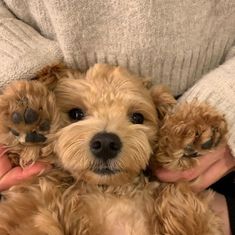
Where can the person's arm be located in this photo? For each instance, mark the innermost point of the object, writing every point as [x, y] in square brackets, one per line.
[218, 89]
[23, 51]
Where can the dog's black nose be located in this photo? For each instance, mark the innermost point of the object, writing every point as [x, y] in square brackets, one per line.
[105, 145]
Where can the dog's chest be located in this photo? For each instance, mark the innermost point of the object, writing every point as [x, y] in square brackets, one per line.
[115, 215]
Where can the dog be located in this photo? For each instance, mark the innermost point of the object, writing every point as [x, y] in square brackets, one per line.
[114, 124]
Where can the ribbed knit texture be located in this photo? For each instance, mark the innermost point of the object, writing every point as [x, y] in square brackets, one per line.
[23, 51]
[174, 42]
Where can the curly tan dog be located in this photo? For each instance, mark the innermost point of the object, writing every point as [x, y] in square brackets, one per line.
[115, 122]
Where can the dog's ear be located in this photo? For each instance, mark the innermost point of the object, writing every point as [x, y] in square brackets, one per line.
[51, 74]
[163, 99]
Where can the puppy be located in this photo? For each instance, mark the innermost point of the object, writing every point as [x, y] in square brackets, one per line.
[113, 128]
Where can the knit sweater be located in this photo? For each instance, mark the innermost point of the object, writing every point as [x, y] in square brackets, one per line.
[181, 43]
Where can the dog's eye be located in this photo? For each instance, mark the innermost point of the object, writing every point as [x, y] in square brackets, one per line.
[76, 114]
[137, 118]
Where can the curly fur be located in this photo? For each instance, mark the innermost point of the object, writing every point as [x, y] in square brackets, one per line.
[184, 131]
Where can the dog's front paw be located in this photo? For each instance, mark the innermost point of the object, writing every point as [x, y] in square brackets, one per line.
[28, 116]
[28, 122]
[192, 130]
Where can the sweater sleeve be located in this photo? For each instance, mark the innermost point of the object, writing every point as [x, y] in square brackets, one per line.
[23, 51]
[218, 89]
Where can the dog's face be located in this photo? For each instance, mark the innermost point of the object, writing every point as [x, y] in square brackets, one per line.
[112, 125]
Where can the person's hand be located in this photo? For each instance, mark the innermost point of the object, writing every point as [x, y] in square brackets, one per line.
[210, 169]
[11, 176]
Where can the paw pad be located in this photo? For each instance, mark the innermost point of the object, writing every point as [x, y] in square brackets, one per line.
[14, 132]
[30, 116]
[189, 151]
[34, 137]
[16, 118]
[208, 144]
[45, 126]
[28, 125]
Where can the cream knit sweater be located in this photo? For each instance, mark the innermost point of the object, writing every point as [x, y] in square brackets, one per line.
[182, 43]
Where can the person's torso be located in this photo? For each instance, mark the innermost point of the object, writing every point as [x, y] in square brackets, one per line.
[174, 42]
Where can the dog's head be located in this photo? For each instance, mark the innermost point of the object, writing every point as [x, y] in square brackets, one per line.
[112, 124]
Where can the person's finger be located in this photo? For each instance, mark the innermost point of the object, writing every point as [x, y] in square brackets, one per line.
[213, 174]
[204, 162]
[166, 175]
[5, 165]
[2, 150]
[17, 174]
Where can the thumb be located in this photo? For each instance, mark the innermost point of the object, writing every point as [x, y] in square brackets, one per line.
[17, 174]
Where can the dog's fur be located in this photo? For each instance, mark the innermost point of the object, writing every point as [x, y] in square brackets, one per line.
[112, 196]
[189, 130]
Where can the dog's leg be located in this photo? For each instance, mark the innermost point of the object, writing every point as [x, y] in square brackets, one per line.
[178, 211]
[28, 117]
[17, 210]
[32, 208]
[191, 130]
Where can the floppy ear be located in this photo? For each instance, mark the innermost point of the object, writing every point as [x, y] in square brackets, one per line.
[51, 74]
[163, 99]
